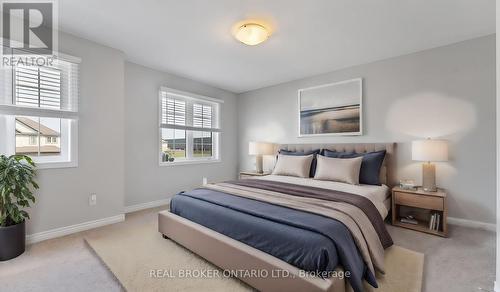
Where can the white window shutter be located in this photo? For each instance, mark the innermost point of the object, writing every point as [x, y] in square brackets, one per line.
[70, 76]
[186, 113]
[50, 91]
[37, 87]
[202, 116]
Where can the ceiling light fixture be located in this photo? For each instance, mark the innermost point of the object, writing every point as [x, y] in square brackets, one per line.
[251, 34]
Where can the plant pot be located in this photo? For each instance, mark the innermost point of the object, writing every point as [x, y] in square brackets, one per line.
[12, 241]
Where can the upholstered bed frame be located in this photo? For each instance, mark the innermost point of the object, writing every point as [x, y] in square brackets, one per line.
[231, 254]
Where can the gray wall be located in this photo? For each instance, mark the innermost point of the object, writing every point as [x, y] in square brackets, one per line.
[145, 180]
[447, 92]
[63, 196]
[118, 138]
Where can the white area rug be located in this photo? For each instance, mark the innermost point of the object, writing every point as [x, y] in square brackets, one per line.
[134, 251]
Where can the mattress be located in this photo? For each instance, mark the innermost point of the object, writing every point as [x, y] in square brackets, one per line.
[308, 241]
[378, 195]
[302, 248]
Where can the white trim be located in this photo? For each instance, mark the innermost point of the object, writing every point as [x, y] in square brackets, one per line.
[59, 55]
[189, 95]
[67, 58]
[497, 144]
[496, 286]
[359, 133]
[9, 109]
[189, 162]
[50, 165]
[472, 224]
[189, 128]
[63, 231]
[148, 205]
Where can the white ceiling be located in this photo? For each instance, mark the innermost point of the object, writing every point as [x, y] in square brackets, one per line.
[192, 38]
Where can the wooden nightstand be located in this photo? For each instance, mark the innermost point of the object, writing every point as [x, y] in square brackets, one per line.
[421, 205]
[251, 174]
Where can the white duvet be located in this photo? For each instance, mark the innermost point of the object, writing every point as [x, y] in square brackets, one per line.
[378, 195]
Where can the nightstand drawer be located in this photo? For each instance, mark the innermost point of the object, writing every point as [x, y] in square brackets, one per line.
[419, 201]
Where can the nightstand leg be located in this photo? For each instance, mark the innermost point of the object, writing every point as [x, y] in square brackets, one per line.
[445, 218]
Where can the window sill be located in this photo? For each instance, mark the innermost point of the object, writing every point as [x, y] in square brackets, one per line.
[50, 165]
[189, 162]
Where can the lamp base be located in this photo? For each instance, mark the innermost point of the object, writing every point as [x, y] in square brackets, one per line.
[258, 164]
[429, 177]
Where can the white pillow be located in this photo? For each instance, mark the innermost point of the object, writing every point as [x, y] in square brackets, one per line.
[338, 169]
[291, 165]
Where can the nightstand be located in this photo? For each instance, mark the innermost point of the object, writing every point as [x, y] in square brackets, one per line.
[421, 205]
[251, 174]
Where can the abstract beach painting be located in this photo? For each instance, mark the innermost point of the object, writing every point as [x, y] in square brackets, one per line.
[331, 109]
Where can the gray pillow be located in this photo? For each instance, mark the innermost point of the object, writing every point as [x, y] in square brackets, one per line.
[338, 169]
[370, 167]
[293, 165]
[298, 153]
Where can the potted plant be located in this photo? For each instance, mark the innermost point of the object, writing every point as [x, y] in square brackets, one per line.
[164, 156]
[168, 156]
[17, 173]
[171, 157]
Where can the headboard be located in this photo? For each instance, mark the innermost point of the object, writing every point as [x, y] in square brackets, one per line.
[387, 172]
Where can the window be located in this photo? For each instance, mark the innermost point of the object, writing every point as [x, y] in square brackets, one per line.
[51, 140]
[189, 128]
[39, 112]
[33, 139]
[37, 129]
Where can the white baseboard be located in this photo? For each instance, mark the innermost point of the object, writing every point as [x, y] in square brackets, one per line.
[62, 231]
[143, 206]
[472, 224]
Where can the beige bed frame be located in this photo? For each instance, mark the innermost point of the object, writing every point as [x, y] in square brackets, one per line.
[231, 254]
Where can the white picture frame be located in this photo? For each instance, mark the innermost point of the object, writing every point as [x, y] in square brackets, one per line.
[317, 103]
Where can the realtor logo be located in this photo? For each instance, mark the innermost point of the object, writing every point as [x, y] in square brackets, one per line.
[28, 28]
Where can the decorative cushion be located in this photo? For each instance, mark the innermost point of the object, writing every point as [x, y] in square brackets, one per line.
[370, 167]
[294, 153]
[339, 169]
[292, 165]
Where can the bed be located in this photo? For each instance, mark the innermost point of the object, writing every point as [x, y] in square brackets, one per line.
[278, 227]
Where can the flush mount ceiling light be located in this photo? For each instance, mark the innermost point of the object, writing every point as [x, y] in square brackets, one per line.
[251, 34]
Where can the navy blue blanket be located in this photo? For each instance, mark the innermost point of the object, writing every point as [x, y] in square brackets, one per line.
[308, 241]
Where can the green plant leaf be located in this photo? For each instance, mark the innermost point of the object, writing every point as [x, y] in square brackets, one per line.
[17, 182]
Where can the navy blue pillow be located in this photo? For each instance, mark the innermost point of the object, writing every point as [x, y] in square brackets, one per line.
[369, 173]
[295, 153]
[336, 154]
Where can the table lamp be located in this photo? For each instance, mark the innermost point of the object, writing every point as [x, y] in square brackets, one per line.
[429, 151]
[258, 149]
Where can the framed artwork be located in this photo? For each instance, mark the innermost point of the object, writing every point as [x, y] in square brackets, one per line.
[331, 109]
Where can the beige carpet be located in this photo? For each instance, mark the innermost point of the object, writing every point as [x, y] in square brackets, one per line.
[134, 250]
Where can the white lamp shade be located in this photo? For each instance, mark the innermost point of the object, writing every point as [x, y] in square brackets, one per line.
[252, 34]
[260, 148]
[429, 150]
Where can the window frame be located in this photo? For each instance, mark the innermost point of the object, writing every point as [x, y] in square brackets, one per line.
[9, 112]
[216, 136]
